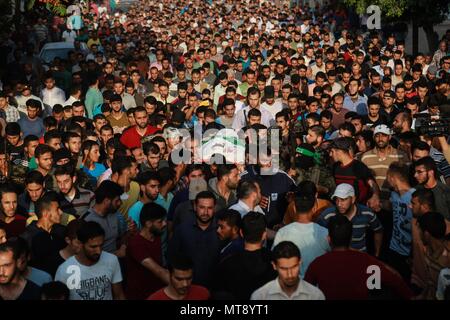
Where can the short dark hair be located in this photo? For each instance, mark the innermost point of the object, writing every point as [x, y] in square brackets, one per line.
[41, 150]
[428, 163]
[340, 230]
[165, 175]
[150, 147]
[7, 188]
[34, 177]
[224, 169]
[151, 211]
[420, 145]
[180, 261]
[205, 195]
[89, 230]
[10, 246]
[433, 223]
[55, 290]
[107, 190]
[231, 217]
[44, 202]
[52, 134]
[253, 227]
[318, 130]
[12, 129]
[400, 170]
[120, 164]
[425, 197]
[146, 176]
[304, 203]
[66, 169]
[29, 138]
[285, 249]
[245, 188]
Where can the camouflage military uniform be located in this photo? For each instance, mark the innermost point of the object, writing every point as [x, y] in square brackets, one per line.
[18, 171]
[320, 175]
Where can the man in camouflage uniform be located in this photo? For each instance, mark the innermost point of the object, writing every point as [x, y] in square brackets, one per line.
[311, 166]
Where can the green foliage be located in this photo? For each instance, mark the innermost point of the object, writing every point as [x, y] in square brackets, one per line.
[421, 11]
[389, 8]
[59, 9]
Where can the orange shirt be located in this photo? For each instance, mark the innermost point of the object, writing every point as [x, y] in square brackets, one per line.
[319, 206]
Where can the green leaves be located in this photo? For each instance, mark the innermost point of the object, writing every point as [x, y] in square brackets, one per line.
[422, 12]
[389, 8]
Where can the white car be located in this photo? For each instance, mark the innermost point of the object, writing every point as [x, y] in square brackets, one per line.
[61, 50]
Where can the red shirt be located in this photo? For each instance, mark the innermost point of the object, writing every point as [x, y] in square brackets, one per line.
[14, 228]
[343, 275]
[132, 139]
[140, 281]
[195, 293]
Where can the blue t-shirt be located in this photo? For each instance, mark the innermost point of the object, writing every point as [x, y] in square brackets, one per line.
[32, 127]
[135, 212]
[39, 277]
[402, 216]
[96, 173]
[163, 202]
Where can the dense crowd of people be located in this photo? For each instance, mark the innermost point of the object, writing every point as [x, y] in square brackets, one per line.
[351, 201]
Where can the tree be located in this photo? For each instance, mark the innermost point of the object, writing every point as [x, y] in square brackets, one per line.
[421, 14]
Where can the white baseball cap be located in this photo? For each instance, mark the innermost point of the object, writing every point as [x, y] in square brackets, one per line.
[382, 128]
[343, 191]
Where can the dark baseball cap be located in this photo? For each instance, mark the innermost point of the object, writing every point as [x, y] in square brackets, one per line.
[390, 94]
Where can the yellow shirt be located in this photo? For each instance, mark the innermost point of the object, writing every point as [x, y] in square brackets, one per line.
[133, 197]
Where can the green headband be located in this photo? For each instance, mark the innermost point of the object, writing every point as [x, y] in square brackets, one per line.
[316, 156]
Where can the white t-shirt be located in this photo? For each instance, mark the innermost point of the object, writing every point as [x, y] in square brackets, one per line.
[90, 282]
[69, 36]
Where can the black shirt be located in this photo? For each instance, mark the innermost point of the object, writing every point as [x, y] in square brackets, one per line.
[202, 246]
[274, 185]
[31, 291]
[45, 246]
[372, 124]
[241, 274]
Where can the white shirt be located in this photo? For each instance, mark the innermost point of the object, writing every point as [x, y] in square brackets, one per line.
[272, 291]
[90, 282]
[239, 106]
[69, 36]
[128, 101]
[70, 101]
[310, 238]
[243, 209]
[276, 107]
[219, 91]
[240, 120]
[53, 96]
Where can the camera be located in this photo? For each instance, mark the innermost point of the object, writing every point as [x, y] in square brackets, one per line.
[432, 125]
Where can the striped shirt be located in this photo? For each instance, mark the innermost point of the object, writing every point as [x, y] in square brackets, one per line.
[80, 204]
[363, 219]
[379, 166]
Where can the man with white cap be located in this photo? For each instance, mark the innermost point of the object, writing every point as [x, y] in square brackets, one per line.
[380, 158]
[361, 217]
